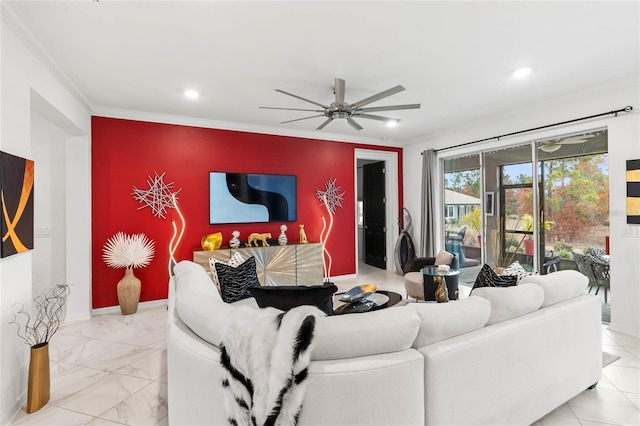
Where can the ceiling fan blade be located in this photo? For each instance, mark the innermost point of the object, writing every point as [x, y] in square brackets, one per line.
[390, 108]
[322, 126]
[571, 141]
[575, 139]
[377, 97]
[549, 148]
[353, 123]
[339, 91]
[293, 109]
[377, 117]
[304, 118]
[302, 99]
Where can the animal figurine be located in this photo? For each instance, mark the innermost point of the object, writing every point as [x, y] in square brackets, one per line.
[255, 237]
[303, 235]
[442, 293]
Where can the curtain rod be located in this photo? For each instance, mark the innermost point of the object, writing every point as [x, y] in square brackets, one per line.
[615, 113]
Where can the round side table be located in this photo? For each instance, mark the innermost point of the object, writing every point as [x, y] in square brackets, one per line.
[431, 276]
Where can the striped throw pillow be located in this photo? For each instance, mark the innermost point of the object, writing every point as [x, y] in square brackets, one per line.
[235, 282]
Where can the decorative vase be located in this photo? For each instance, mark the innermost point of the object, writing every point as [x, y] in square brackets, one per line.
[39, 378]
[528, 247]
[129, 292]
[212, 241]
[282, 238]
[234, 242]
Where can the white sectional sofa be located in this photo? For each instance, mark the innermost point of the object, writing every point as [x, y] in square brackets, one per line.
[502, 356]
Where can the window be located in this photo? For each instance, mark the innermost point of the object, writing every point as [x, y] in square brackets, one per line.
[448, 212]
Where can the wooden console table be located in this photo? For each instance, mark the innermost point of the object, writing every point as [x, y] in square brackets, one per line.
[292, 264]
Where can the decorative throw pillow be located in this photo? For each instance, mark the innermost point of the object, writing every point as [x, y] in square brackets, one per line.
[516, 270]
[235, 282]
[487, 278]
[289, 297]
[443, 258]
[235, 260]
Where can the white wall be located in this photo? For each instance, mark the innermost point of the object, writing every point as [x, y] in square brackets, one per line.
[47, 151]
[624, 144]
[21, 75]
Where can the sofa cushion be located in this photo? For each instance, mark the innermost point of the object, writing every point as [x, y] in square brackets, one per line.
[354, 335]
[414, 284]
[559, 286]
[289, 297]
[440, 321]
[443, 258]
[511, 302]
[235, 282]
[235, 261]
[487, 278]
[516, 270]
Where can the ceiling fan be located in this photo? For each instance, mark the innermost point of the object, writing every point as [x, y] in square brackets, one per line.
[556, 144]
[342, 110]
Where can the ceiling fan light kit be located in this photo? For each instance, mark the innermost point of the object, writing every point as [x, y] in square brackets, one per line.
[340, 110]
[554, 145]
[550, 148]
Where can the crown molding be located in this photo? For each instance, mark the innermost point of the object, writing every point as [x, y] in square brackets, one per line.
[32, 40]
[240, 127]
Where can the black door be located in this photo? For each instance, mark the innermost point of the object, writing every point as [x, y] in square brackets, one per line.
[375, 230]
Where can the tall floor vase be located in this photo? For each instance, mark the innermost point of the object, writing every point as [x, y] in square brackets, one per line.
[39, 378]
[129, 292]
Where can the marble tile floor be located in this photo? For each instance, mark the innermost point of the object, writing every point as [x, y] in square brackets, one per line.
[111, 370]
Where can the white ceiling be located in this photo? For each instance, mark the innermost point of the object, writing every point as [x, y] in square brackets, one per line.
[455, 58]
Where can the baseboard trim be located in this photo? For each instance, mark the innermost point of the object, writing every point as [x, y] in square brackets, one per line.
[77, 317]
[141, 305]
[16, 409]
[344, 277]
[625, 330]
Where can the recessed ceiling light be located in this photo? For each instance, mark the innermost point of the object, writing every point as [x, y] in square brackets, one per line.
[522, 72]
[191, 94]
[392, 123]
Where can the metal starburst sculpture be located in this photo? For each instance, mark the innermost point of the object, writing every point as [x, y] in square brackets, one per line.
[331, 196]
[159, 196]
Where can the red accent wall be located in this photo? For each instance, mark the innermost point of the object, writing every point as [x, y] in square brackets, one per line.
[125, 152]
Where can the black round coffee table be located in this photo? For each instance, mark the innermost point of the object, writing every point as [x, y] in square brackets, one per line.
[365, 306]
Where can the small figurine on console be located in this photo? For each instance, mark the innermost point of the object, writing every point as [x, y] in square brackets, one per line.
[303, 235]
[282, 238]
[255, 237]
[234, 242]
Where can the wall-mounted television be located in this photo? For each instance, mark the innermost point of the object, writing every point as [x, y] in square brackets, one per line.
[251, 198]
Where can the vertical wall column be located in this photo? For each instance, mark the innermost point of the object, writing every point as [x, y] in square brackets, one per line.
[78, 183]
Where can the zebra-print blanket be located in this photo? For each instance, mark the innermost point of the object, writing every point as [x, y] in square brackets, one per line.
[265, 356]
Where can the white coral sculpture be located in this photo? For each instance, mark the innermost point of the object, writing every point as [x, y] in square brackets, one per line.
[128, 251]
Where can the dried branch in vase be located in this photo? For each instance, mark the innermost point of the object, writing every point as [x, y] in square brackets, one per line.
[48, 308]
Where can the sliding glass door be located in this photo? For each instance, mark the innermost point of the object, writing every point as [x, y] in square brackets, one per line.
[531, 203]
[509, 214]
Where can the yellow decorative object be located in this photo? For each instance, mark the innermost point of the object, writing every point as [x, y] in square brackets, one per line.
[303, 235]
[442, 294]
[212, 241]
[255, 237]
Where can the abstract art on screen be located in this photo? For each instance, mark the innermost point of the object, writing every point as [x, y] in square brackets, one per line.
[251, 198]
[633, 192]
[16, 190]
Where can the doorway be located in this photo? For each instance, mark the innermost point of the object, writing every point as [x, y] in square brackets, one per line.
[387, 212]
[374, 220]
